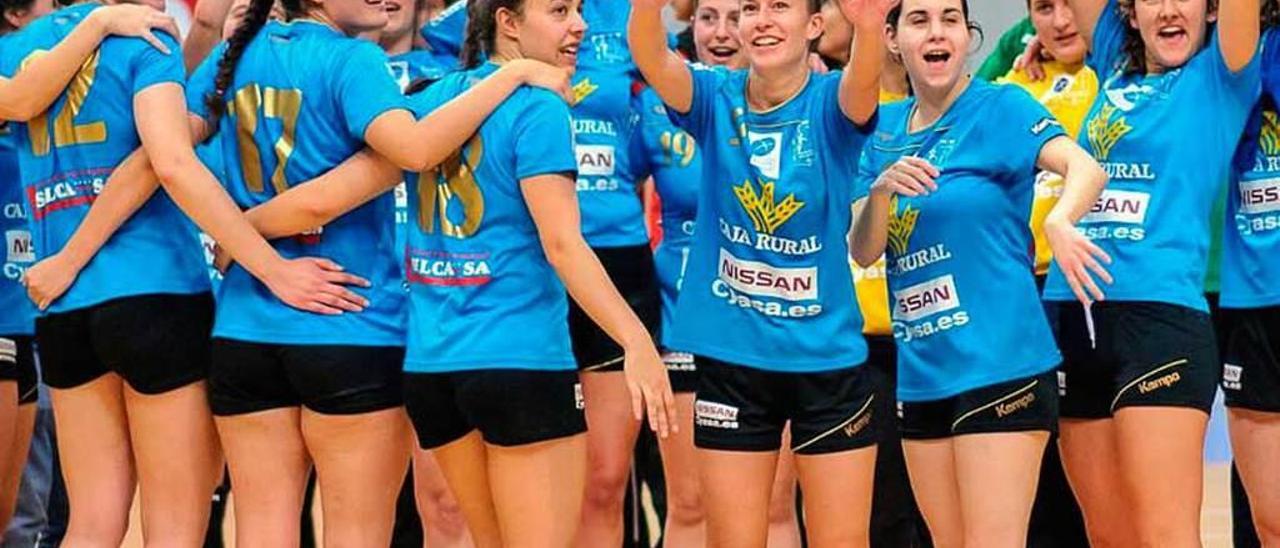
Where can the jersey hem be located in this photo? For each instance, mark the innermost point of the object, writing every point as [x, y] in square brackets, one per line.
[1237, 303]
[65, 307]
[1196, 304]
[313, 339]
[1040, 366]
[426, 367]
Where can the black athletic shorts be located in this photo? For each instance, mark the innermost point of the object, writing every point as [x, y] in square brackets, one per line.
[18, 363]
[248, 377]
[682, 369]
[741, 408]
[156, 343]
[1147, 354]
[1251, 358]
[510, 407]
[631, 270]
[1021, 405]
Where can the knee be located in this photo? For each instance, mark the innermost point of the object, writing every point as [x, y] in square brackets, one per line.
[606, 486]
[96, 530]
[995, 535]
[686, 509]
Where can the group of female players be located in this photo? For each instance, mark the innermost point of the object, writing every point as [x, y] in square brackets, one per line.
[509, 322]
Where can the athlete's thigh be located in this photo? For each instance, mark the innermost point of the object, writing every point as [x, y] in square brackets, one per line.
[837, 491]
[997, 475]
[93, 447]
[736, 487]
[1161, 453]
[1255, 439]
[931, 468]
[268, 462]
[537, 490]
[464, 463]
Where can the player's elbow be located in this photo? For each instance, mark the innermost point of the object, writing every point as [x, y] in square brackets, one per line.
[172, 168]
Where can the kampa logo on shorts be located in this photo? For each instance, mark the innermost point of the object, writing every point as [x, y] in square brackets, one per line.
[1232, 377]
[715, 415]
[760, 279]
[1119, 206]
[926, 299]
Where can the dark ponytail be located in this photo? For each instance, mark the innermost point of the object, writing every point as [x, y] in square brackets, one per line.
[482, 29]
[254, 20]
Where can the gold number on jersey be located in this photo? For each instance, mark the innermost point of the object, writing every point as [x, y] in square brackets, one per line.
[65, 131]
[678, 148]
[280, 104]
[453, 178]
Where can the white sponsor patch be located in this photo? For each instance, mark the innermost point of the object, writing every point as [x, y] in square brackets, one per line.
[1119, 206]
[1260, 196]
[715, 415]
[8, 350]
[1232, 377]
[402, 195]
[579, 401]
[766, 153]
[595, 160]
[18, 248]
[757, 278]
[925, 299]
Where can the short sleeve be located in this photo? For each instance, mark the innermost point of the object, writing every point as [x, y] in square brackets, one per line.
[837, 129]
[866, 173]
[200, 84]
[1025, 127]
[365, 88]
[544, 132]
[1242, 86]
[444, 34]
[701, 115]
[1108, 40]
[151, 66]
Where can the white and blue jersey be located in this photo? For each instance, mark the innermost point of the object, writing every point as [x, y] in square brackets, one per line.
[1167, 161]
[677, 174]
[1251, 236]
[67, 154]
[301, 100]
[966, 310]
[482, 294]
[768, 283]
[19, 314]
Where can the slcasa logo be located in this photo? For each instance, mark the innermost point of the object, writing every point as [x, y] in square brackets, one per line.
[1106, 130]
[765, 213]
[583, 89]
[1269, 136]
[902, 222]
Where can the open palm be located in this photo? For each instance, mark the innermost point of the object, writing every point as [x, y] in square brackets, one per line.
[857, 10]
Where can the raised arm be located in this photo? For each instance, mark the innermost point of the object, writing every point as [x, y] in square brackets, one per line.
[1083, 181]
[664, 70]
[418, 145]
[314, 203]
[315, 285]
[553, 203]
[1239, 28]
[206, 31]
[37, 84]
[1087, 13]
[860, 83]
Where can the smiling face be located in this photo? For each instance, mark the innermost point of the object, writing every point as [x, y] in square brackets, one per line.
[1055, 25]
[715, 33]
[1172, 30]
[400, 19]
[777, 33]
[545, 30]
[354, 17]
[932, 38]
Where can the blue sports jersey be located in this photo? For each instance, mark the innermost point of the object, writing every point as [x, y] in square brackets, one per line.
[1251, 236]
[606, 129]
[67, 154]
[19, 314]
[445, 33]
[408, 68]
[482, 294]
[302, 97]
[768, 283]
[210, 154]
[677, 173]
[1167, 161]
[966, 310]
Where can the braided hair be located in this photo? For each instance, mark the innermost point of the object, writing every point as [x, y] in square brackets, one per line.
[254, 19]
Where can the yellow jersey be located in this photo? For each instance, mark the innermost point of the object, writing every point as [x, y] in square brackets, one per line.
[1067, 93]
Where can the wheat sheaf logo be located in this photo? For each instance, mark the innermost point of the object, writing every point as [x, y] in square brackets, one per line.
[583, 89]
[902, 222]
[1269, 136]
[1106, 130]
[766, 214]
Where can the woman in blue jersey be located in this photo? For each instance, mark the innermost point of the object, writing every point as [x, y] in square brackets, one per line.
[491, 381]
[1249, 298]
[767, 301]
[125, 348]
[951, 173]
[1141, 368]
